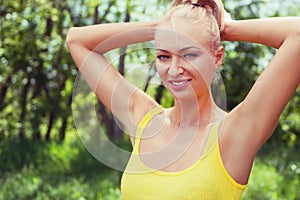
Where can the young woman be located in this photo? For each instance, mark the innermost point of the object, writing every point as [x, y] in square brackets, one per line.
[193, 150]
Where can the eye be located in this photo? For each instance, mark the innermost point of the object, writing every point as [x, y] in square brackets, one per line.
[190, 55]
[162, 57]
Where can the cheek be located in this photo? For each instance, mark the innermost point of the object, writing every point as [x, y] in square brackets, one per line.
[162, 71]
[204, 69]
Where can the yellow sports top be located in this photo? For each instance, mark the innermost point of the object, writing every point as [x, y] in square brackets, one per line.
[207, 179]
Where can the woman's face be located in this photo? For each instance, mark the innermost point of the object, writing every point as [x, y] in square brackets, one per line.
[184, 60]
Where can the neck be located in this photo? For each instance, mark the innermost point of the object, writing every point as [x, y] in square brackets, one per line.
[197, 112]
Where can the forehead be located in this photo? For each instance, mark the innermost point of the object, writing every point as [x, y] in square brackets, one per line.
[178, 34]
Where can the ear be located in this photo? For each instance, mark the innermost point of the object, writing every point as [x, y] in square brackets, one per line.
[219, 55]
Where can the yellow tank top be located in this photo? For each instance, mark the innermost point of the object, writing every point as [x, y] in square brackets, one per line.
[207, 179]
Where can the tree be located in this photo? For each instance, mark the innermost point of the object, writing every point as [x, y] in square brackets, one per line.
[37, 72]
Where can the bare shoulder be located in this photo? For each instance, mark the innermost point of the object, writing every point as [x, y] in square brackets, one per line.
[140, 104]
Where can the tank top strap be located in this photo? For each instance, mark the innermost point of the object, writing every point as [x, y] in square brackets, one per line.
[212, 138]
[145, 121]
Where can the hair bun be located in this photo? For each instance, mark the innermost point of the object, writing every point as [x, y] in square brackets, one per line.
[217, 9]
[216, 6]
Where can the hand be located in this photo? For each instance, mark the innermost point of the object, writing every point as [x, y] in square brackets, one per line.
[221, 15]
[218, 11]
[224, 31]
[226, 19]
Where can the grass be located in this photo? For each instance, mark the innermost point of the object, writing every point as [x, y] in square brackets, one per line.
[40, 171]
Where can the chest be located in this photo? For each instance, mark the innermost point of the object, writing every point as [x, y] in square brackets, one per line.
[172, 149]
[204, 180]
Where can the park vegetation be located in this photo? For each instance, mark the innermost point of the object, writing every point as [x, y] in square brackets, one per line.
[41, 155]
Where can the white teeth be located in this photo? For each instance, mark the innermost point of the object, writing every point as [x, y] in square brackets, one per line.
[178, 83]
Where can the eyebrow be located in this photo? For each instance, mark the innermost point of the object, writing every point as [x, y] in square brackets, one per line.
[183, 49]
[190, 47]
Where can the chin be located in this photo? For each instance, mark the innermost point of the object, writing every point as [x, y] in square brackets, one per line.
[189, 96]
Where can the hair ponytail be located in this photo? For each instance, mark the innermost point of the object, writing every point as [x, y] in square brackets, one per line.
[181, 2]
[215, 7]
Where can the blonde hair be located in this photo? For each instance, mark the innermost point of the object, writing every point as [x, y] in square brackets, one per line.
[186, 9]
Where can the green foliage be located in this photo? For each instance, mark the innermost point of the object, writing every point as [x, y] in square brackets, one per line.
[30, 186]
[35, 68]
[267, 182]
[36, 83]
[35, 171]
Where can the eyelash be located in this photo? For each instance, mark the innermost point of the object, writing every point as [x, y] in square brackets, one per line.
[190, 55]
[185, 56]
[162, 57]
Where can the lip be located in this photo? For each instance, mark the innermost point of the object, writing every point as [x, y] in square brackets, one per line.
[179, 84]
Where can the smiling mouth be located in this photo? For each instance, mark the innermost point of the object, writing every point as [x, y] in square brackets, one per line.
[180, 83]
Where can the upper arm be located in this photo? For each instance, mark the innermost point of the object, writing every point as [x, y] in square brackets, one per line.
[258, 114]
[252, 122]
[128, 103]
[273, 89]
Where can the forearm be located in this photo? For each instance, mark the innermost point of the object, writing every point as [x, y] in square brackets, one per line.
[269, 31]
[105, 37]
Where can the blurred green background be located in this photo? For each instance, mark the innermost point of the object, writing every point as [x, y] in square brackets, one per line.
[41, 154]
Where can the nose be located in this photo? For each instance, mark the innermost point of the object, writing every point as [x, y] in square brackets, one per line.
[176, 67]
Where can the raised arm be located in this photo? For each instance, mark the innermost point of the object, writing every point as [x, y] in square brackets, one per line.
[249, 125]
[105, 37]
[269, 31]
[278, 82]
[87, 46]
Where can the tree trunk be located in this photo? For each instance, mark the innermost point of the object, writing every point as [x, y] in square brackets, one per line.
[3, 91]
[23, 104]
[62, 132]
[50, 125]
[159, 93]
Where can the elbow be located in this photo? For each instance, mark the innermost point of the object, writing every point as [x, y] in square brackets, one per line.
[71, 37]
[296, 28]
[298, 25]
[292, 32]
[298, 31]
[295, 36]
